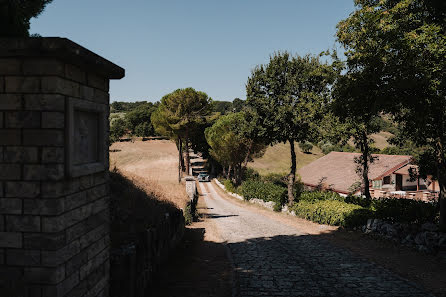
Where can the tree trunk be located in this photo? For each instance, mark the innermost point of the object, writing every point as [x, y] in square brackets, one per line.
[292, 175]
[180, 158]
[228, 174]
[365, 166]
[186, 147]
[248, 153]
[238, 175]
[224, 171]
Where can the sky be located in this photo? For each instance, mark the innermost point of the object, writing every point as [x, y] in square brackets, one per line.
[209, 45]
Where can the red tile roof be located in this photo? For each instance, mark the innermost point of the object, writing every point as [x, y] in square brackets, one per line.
[338, 169]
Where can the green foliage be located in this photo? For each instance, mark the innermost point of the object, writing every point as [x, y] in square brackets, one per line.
[15, 16]
[121, 106]
[139, 120]
[238, 104]
[250, 173]
[223, 107]
[229, 186]
[403, 210]
[117, 130]
[312, 196]
[327, 147]
[332, 212]
[255, 189]
[306, 146]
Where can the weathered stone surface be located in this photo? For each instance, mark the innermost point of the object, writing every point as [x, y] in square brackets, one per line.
[94, 263]
[59, 188]
[87, 93]
[22, 84]
[2, 84]
[57, 85]
[58, 257]
[97, 82]
[45, 275]
[22, 189]
[87, 225]
[53, 102]
[53, 155]
[20, 154]
[43, 67]
[10, 206]
[53, 120]
[43, 137]
[10, 66]
[10, 172]
[75, 73]
[10, 136]
[11, 239]
[23, 257]
[93, 236]
[97, 247]
[46, 241]
[22, 119]
[43, 172]
[22, 223]
[1, 119]
[62, 288]
[10, 102]
[75, 200]
[75, 263]
[55, 206]
[2, 223]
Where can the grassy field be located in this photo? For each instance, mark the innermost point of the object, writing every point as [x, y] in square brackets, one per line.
[154, 166]
[277, 159]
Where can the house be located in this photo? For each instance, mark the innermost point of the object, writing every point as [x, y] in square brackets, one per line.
[390, 175]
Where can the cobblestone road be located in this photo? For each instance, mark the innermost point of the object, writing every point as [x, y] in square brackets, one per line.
[274, 259]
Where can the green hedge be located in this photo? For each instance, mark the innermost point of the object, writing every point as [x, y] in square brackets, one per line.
[313, 196]
[252, 189]
[332, 212]
[404, 210]
[229, 186]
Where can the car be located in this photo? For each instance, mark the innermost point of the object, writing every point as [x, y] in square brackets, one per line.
[203, 177]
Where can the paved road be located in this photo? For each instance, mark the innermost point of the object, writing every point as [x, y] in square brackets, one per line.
[273, 259]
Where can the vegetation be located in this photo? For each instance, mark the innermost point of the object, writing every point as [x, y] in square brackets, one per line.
[256, 189]
[288, 94]
[138, 120]
[117, 130]
[15, 16]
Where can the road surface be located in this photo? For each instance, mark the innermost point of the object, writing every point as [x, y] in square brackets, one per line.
[273, 259]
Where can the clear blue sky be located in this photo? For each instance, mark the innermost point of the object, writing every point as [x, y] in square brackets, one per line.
[209, 45]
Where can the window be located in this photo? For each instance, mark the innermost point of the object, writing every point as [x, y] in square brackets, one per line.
[386, 180]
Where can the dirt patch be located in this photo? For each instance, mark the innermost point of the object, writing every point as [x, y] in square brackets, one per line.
[199, 266]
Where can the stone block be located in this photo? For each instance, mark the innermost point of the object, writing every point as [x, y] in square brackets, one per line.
[10, 136]
[22, 119]
[11, 239]
[50, 207]
[101, 97]
[10, 206]
[2, 257]
[2, 223]
[44, 275]
[58, 257]
[79, 290]
[62, 288]
[87, 93]
[97, 192]
[10, 172]
[75, 73]
[22, 223]
[59, 188]
[97, 82]
[2, 84]
[10, 66]
[75, 200]
[23, 257]
[57, 85]
[93, 236]
[10, 102]
[53, 120]
[22, 84]
[87, 225]
[21, 154]
[75, 263]
[94, 263]
[54, 224]
[43, 172]
[44, 241]
[1, 119]
[52, 102]
[53, 155]
[97, 247]
[43, 137]
[43, 67]
[22, 189]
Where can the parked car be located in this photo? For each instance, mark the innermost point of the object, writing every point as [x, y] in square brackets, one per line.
[203, 177]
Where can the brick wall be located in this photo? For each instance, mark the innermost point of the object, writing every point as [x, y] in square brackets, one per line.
[54, 228]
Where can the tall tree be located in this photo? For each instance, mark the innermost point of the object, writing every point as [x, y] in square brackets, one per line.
[179, 113]
[404, 43]
[288, 94]
[15, 16]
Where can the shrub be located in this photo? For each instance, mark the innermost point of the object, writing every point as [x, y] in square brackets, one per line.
[249, 173]
[255, 189]
[229, 186]
[332, 212]
[403, 210]
[313, 196]
[306, 146]
[275, 178]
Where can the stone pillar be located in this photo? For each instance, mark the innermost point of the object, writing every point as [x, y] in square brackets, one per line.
[54, 200]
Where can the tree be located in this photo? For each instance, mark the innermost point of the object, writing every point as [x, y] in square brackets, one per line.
[139, 120]
[179, 113]
[223, 107]
[288, 94]
[232, 142]
[306, 147]
[117, 130]
[237, 104]
[403, 44]
[15, 16]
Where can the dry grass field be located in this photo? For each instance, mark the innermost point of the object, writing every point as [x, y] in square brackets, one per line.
[277, 159]
[153, 165]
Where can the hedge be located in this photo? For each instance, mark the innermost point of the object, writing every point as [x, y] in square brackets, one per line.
[313, 196]
[255, 189]
[332, 212]
[229, 186]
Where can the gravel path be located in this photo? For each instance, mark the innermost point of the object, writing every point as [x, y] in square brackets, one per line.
[274, 259]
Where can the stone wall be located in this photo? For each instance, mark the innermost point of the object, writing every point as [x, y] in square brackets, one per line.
[54, 225]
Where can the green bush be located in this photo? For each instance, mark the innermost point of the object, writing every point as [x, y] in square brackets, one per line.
[255, 189]
[306, 146]
[403, 210]
[313, 196]
[249, 173]
[229, 186]
[332, 212]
